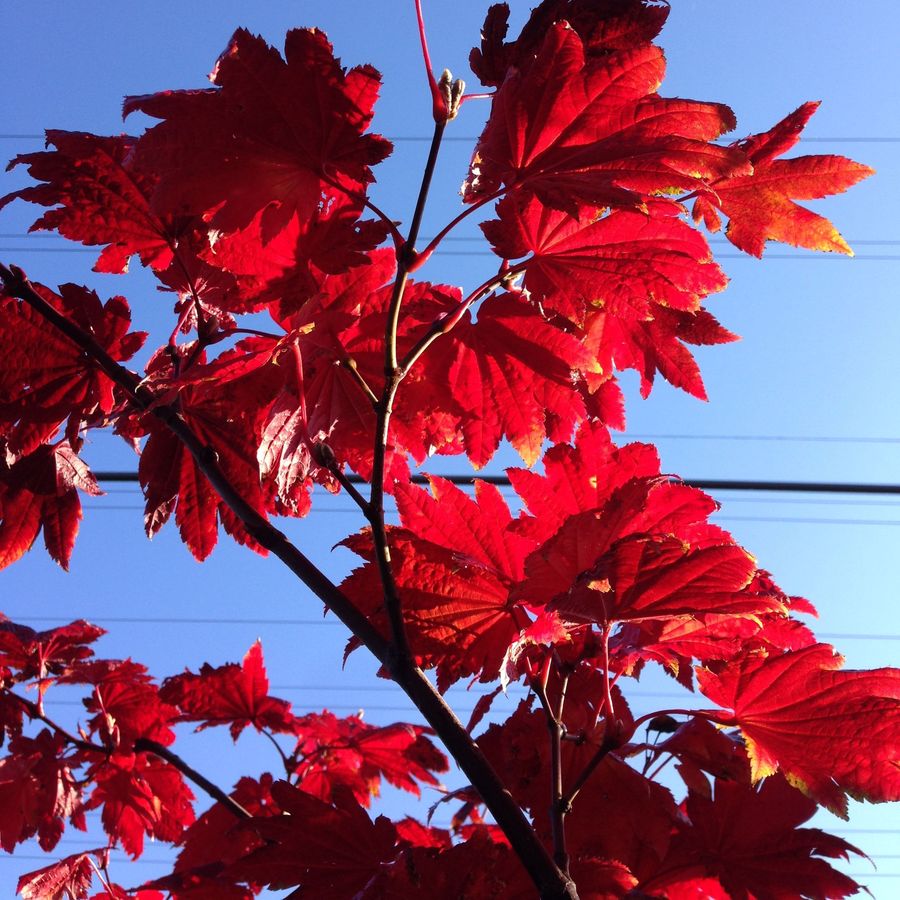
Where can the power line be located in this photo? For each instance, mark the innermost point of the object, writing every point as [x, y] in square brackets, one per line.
[104, 619]
[711, 484]
[415, 138]
[877, 257]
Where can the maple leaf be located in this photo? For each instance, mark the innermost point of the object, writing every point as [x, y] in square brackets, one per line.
[44, 377]
[350, 754]
[287, 269]
[213, 838]
[603, 26]
[830, 732]
[477, 867]
[268, 137]
[37, 654]
[37, 792]
[760, 204]
[455, 594]
[100, 198]
[750, 839]
[572, 129]
[68, 879]
[140, 795]
[227, 423]
[125, 704]
[39, 492]
[233, 695]
[330, 851]
[625, 262]
[511, 374]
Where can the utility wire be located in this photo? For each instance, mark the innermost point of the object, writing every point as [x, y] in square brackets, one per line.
[711, 484]
[471, 138]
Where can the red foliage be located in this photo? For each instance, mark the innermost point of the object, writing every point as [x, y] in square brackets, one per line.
[251, 198]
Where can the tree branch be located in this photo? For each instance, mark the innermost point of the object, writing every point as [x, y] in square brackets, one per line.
[551, 882]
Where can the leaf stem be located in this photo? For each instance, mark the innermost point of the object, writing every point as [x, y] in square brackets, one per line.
[438, 106]
[445, 325]
[422, 257]
[350, 365]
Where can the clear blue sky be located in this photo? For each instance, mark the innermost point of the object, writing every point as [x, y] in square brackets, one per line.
[817, 360]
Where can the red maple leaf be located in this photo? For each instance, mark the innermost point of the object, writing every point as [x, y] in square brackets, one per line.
[624, 262]
[44, 377]
[831, 733]
[576, 129]
[125, 704]
[603, 25]
[39, 492]
[215, 838]
[140, 795]
[68, 879]
[455, 594]
[233, 695]
[100, 199]
[760, 204]
[269, 137]
[227, 422]
[286, 270]
[750, 839]
[330, 851]
[511, 374]
[37, 654]
[38, 792]
[336, 754]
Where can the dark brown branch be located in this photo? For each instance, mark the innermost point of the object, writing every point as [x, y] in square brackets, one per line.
[145, 745]
[551, 882]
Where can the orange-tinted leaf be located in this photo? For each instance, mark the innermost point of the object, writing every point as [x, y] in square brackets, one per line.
[830, 732]
[233, 695]
[760, 205]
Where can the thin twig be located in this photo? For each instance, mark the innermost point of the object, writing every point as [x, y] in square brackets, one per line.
[145, 745]
[350, 365]
[35, 712]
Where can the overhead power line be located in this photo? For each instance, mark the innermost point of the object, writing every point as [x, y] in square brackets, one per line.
[416, 138]
[710, 484]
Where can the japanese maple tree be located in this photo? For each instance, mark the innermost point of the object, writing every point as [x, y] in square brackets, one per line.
[305, 354]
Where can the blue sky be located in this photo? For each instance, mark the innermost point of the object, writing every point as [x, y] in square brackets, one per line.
[817, 360]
